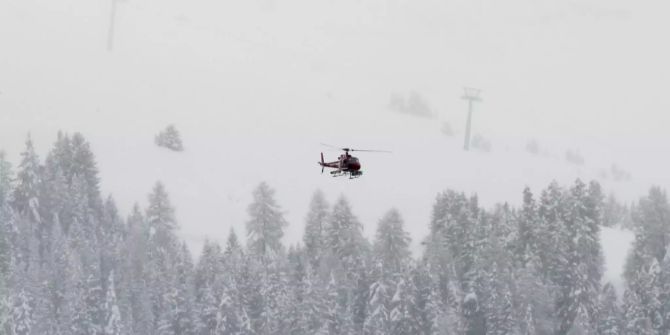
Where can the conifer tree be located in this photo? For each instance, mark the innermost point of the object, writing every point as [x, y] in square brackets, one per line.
[111, 314]
[265, 227]
[176, 316]
[135, 301]
[28, 181]
[315, 228]
[162, 256]
[551, 231]
[609, 321]
[6, 233]
[651, 220]
[526, 226]
[22, 313]
[208, 278]
[231, 315]
[169, 138]
[391, 246]
[580, 279]
[635, 322]
[344, 237]
[664, 293]
[499, 305]
[379, 301]
[528, 322]
[84, 166]
[401, 305]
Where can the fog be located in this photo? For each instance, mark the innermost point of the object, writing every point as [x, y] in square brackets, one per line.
[587, 76]
[570, 89]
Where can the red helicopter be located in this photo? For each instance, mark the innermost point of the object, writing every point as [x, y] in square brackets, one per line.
[346, 164]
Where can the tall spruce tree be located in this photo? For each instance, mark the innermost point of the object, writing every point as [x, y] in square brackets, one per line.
[315, 225]
[265, 227]
[609, 320]
[391, 246]
[6, 233]
[208, 287]
[162, 257]
[525, 244]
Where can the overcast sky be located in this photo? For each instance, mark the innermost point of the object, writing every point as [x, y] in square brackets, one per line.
[259, 83]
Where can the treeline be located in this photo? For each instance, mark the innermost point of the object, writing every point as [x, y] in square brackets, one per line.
[70, 264]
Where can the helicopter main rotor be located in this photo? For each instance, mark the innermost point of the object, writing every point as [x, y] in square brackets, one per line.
[352, 149]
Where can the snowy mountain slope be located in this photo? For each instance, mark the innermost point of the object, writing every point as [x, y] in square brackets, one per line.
[255, 87]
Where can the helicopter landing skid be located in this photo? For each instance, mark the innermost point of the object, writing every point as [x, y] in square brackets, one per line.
[352, 174]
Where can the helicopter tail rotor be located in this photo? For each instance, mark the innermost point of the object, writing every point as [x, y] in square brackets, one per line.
[323, 163]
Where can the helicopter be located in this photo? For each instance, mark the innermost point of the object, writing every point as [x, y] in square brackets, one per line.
[346, 164]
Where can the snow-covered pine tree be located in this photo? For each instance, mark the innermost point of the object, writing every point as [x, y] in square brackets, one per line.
[647, 287]
[536, 296]
[635, 322]
[61, 271]
[527, 324]
[388, 305]
[134, 300]
[295, 288]
[177, 314]
[112, 324]
[420, 290]
[62, 155]
[664, 294]
[643, 270]
[349, 253]
[499, 309]
[336, 317]
[28, 179]
[344, 237]
[208, 287]
[88, 302]
[615, 214]
[162, 255]
[6, 233]
[379, 301]
[84, 166]
[169, 138]
[22, 313]
[84, 225]
[25, 201]
[609, 316]
[315, 225]
[233, 256]
[526, 237]
[579, 280]
[265, 227]
[231, 314]
[53, 201]
[474, 322]
[310, 306]
[111, 232]
[391, 245]
[551, 231]
[651, 221]
[453, 223]
[401, 305]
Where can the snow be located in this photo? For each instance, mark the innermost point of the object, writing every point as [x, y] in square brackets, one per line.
[615, 243]
[254, 91]
[470, 297]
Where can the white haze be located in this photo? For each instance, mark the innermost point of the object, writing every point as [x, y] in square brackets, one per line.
[255, 86]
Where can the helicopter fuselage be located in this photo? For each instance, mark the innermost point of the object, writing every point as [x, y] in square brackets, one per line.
[345, 164]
